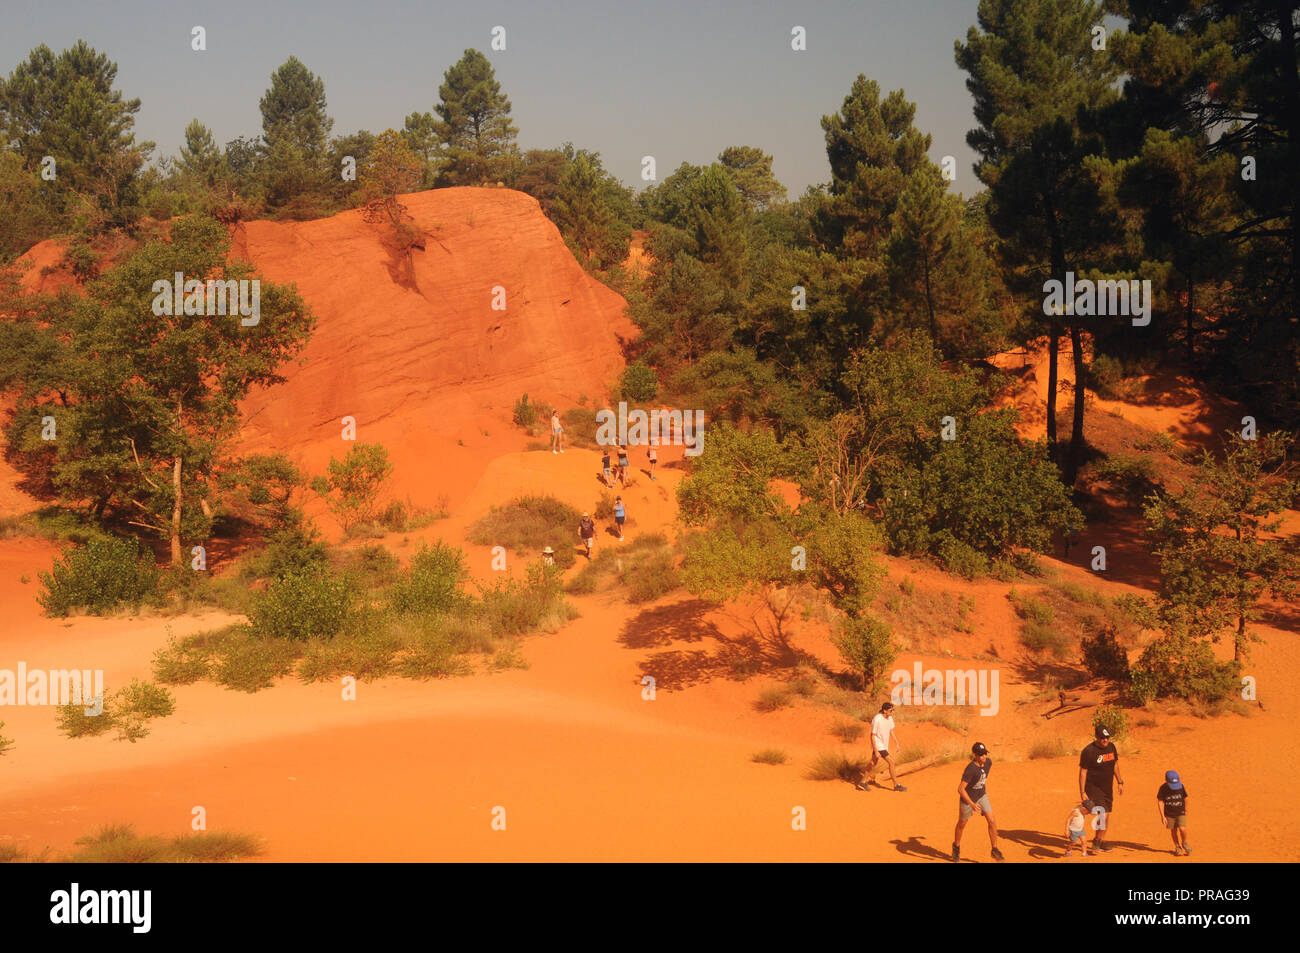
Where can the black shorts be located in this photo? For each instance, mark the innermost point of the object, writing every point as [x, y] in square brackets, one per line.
[1099, 796]
[619, 520]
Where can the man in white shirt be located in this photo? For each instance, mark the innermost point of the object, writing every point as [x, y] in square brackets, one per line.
[882, 740]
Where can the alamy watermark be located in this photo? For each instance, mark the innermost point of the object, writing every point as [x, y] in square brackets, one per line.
[636, 427]
[190, 296]
[61, 686]
[933, 686]
[1086, 298]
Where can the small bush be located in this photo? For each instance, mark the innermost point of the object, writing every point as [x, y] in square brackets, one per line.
[651, 578]
[847, 731]
[837, 767]
[136, 704]
[961, 559]
[1038, 637]
[864, 643]
[75, 723]
[4, 742]
[1113, 718]
[353, 484]
[119, 844]
[772, 699]
[246, 663]
[1103, 656]
[513, 607]
[526, 413]
[769, 756]
[294, 549]
[639, 383]
[180, 663]
[433, 583]
[1181, 666]
[100, 576]
[301, 605]
[1049, 748]
[527, 525]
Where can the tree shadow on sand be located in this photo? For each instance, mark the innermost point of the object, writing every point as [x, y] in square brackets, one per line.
[741, 657]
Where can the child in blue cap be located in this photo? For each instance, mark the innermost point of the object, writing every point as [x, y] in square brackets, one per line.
[1172, 801]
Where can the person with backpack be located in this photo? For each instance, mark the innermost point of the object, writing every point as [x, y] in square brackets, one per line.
[620, 515]
[973, 799]
[587, 530]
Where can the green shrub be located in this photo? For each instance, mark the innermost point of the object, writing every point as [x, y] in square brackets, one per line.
[353, 484]
[75, 723]
[1111, 717]
[394, 516]
[769, 756]
[513, 607]
[639, 383]
[301, 605]
[1103, 656]
[959, 558]
[4, 742]
[579, 427]
[837, 767]
[246, 663]
[652, 577]
[1049, 748]
[528, 524]
[1040, 637]
[865, 644]
[525, 414]
[119, 844]
[848, 731]
[772, 699]
[102, 575]
[1181, 666]
[433, 582]
[293, 549]
[136, 704]
[180, 662]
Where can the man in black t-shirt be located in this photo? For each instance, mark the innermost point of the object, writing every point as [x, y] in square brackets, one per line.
[972, 798]
[1172, 807]
[1098, 769]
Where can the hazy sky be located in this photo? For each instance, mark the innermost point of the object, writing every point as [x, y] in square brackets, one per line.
[676, 80]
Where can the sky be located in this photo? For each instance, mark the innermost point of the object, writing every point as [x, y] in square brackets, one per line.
[676, 79]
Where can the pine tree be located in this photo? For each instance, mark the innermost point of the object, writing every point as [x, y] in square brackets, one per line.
[477, 136]
[1035, 75]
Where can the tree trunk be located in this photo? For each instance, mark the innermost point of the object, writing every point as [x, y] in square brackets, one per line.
[1191, 347]
[1053, 343]
[1076, 430]
[176, 512]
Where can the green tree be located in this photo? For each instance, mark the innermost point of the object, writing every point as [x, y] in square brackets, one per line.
[751, 168]
[145, 403]
[1035, 77]
[592, 210]
[65, 106]
[391, 169]
[295, 134]
[353, 484]
[1216, 539]
[474, 125]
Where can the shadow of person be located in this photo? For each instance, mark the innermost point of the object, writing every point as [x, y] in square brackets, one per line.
[913, 847]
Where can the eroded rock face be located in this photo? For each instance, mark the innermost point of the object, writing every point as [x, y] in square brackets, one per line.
[419, 341]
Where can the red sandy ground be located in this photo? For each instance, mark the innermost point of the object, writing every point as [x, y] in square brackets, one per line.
[584, 767]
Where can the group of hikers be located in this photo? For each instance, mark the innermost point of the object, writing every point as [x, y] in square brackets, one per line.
[1098, 774]
[587, 528]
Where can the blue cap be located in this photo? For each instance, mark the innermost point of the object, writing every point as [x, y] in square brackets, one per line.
[1172, 779]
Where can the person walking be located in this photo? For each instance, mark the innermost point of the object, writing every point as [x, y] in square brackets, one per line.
[557, 432]
[604, 465]
[973, 798]
[652, 454]
[1171, 800]
[587, 530]
[882, 740]
[1098, 770]
[620, 515]
[622, 467]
